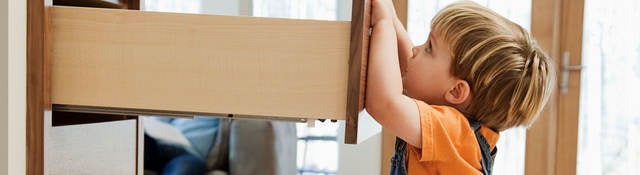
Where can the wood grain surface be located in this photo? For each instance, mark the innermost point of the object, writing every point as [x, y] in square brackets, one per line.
[199, 63]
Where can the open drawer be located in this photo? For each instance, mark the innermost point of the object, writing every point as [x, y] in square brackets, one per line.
[131, 62]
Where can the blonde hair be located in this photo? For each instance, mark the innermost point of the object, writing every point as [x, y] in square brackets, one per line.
[510, 77]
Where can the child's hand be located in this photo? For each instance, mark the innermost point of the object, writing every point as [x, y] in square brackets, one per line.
[382, 10]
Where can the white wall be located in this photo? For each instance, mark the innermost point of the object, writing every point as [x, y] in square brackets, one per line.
[363, 158]
[13, 86]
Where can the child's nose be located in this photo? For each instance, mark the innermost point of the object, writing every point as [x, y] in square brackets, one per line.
[414, 51]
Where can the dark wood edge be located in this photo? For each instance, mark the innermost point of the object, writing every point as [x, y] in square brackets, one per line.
[133, 112]
[62, 118]
[121, 4]
[35, 87]
[130, 4]
[358, 56]
[89, 3]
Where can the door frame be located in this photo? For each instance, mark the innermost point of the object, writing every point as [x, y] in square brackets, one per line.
[552, 141]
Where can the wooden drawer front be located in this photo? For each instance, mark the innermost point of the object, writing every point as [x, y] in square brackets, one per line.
[98, 148]
[199, 63]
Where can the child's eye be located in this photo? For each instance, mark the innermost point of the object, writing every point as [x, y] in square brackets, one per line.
[428, 48]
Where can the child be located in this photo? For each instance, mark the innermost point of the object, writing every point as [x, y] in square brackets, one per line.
[447, 100]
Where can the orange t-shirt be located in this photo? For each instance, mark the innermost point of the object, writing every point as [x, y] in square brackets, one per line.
[449, 145]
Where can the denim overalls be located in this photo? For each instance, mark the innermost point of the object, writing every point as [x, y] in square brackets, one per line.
[399, 162]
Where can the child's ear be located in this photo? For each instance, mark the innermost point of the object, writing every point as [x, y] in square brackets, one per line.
[459, 93]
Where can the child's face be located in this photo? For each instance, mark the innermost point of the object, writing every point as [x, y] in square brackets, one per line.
[427, 76]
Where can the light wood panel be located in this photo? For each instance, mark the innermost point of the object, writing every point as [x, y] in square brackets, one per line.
[402, 10]
[199, 63]
[541, 136]
[568, 104]
[552, 141]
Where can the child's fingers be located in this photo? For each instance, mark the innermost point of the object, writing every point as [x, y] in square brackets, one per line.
[381, 10]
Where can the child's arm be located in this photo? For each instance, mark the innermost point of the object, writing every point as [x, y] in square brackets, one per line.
[384, 98]
[405, 46]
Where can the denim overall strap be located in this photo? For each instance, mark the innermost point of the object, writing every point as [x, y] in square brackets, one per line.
[487, 155]
[399, 161]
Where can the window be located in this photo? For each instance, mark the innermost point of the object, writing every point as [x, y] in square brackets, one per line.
[305, 9]
[317, 148]
[183, 6]
[609, 121]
